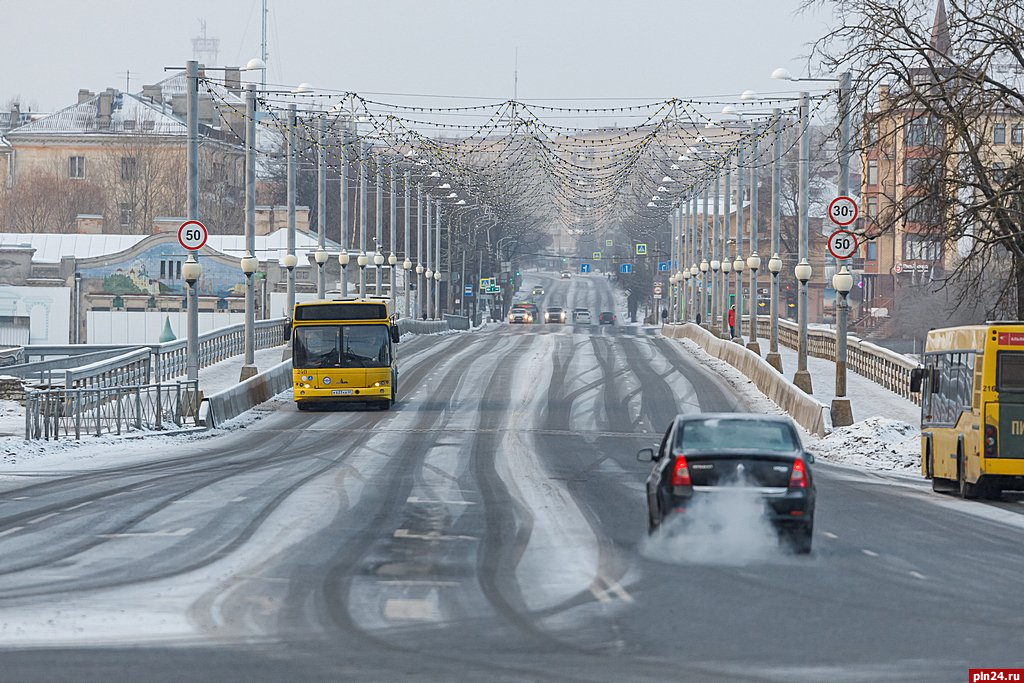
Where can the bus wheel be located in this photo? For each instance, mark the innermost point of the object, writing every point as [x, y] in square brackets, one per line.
[302, 406]
[968, 491]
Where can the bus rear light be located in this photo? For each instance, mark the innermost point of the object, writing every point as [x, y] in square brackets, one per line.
[991, 441]
[681, 472]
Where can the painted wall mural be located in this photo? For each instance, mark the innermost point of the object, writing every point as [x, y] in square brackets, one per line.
[157, 272]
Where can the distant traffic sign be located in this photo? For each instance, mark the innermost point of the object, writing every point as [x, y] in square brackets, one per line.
[607, 243]
[192, 235]
[641, 249]
[842, 211]
[467, 291]
[626, 268]
[486, 283]
[597, 256]
[584, 267]
[662, 266]
[842, 244]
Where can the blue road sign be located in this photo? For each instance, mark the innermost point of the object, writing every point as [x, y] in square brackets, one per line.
[641, 249]
[662, 266]
[468, 291]
[626, 268]
[584, 267]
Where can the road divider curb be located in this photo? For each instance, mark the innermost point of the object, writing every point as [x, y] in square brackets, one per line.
[413, 326]
[807, 411]
[230, 403]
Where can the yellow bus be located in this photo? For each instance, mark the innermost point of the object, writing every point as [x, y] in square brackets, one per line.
[972, 409]
[342, 351]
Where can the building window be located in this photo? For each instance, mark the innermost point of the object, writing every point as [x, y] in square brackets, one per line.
[128, 124]
[177, 269]
[923, 131]
[872, 171]
[999, 134]
[76, 167]
[871, 251]
[871, 209]
[127, 214]
[1017, 135]
[998, 172]
[128, 168]
[917, 170]
[871, 134]
[163, 270]
[921, 248]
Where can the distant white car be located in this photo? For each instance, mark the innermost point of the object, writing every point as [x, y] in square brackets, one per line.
[566, 275]
[583, 317]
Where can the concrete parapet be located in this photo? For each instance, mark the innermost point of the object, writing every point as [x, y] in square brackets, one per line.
[224, 405]
[806, 411]
[413, 326]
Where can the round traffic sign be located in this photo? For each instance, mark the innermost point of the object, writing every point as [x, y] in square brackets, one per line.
[192, 235]
[842, 210]
[898, 268]
[842, 244]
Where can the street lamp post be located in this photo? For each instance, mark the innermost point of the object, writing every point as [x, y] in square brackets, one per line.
[773, 357]
[320, 256]
[321, 205]
[249, 265]
[343, 261]
[802, 378]
[361, 261]
[753, 265]
[842, 412]
[192, 271]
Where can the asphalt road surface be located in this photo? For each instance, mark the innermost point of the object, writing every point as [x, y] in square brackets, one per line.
[491, 527]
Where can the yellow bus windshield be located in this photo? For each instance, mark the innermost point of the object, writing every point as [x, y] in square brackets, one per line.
[341, 346]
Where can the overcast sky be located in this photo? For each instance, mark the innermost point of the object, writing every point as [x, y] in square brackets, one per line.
[567, 48]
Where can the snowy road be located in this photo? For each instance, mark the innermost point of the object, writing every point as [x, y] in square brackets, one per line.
[491, 527]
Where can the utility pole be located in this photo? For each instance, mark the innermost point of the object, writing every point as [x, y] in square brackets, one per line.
[321, 203]
[249, 364]
[430, 271]
[803, 272]
[192, 190]
[754, 261]
[419, 251]
[345, 220]
[379, 239]
[775, 264]
[292, 154]
[393, 224]
[364, 173]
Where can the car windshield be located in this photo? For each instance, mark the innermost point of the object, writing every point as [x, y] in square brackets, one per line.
[341, 346]
[713, 434]
[518, 311]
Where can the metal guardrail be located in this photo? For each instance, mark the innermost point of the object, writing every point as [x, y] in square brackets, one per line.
[48, 371]
[882, 366]
[53, 414]
[170, 358]
[133, 367]
[456, 322]
[413, 326]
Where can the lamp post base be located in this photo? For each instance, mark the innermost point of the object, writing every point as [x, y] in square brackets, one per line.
[775, 360]
[842, 412]
[802, 379]
[754, 346]
[247, 372]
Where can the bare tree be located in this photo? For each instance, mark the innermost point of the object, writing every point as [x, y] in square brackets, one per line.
[143, 177]
[47, 200]
[951, 82]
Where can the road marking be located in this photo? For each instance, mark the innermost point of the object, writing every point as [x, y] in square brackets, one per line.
[432, 536]
[869, 553]
[80, 505]
[917, 575]
[409, 610]
[20, 498]
[419, 582]
[43, 518]
[13, 529]
[143, 487]
[829, 534]
[416, 499]
[141, 534]
[599, 593]
[619, 590]
[238, 499]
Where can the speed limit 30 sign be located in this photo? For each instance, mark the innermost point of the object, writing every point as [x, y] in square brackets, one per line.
[842, 244]
[842, 211]
[192, 235]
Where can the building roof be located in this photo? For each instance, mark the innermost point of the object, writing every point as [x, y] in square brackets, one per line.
[143, 116]
[51, 247]
[940, 43]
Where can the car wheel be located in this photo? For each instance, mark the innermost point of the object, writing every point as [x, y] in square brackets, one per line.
[302, 406]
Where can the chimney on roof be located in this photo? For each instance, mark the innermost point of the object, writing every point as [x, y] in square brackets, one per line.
[15, 116]
[105, 108]
[233, 79]
[154, 93]
[85, 95]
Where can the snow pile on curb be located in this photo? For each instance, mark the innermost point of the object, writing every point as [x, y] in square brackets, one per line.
[877, 443]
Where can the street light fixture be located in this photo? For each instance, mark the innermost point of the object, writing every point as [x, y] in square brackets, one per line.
[773, 357]
[191, 270]
[842, 412]
[249, 265]
[753, 265]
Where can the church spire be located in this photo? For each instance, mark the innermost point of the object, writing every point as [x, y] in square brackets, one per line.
[940, 31]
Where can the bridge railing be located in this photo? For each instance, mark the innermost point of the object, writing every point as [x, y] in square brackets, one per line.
[53, 414]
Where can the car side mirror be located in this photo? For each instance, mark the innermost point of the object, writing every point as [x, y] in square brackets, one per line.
[809, 457]
[396, 334]
[645, 455]
[916, 378]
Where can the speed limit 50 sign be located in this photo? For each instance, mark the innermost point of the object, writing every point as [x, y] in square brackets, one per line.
[192, 235]
[842, 211]
[842, 244]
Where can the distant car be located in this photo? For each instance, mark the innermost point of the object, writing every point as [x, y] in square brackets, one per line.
[606, 318]
[566, 275]
[537, 291]
[581, 316]
[519, 315]
[554, 315]
[705, 453]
